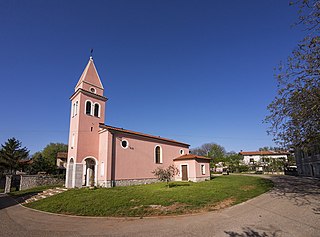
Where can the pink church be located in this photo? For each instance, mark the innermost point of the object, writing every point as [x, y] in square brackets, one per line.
[107, 156]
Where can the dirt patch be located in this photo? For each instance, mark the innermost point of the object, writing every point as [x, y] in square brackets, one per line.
[247, 187]
[158, 209]
[182, 208]
[221, 205]
[170, 208]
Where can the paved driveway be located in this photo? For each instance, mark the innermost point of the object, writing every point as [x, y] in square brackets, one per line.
[292, 208]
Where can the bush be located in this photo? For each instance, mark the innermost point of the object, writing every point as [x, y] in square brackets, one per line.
[243, 168]
[166, 174]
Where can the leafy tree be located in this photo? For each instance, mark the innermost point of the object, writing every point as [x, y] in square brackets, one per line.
[39, 164]
[234, 162]
[211, 150]
[166, 174]
[11, 155]
[49, 155]
[294, 114]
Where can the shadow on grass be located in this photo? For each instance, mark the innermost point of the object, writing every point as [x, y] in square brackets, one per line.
[249, 232]
[173, 185]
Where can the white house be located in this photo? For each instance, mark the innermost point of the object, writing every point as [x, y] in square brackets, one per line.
[260, 159]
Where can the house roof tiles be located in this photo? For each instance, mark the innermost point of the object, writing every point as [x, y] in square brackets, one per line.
[121, 130]
[263, 153]
[191, 157]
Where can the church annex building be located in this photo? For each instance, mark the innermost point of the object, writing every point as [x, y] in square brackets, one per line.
[107, 156]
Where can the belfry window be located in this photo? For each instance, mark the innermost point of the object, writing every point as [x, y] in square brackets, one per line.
[88, 107]
[73, 109]
[158, 155]
[96, 110]
[76, 108]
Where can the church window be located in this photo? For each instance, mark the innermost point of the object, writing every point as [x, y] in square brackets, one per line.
[72, 141]
[124, 144]
[88, 107]
[181, 151]
[97, 110]
[73, 108]
[76, 108]
[93, 90]
[158, 155]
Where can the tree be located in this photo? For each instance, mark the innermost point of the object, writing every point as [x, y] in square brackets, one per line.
[294, 114]
[39, 164]
[49, 154]
[11, 155]
[211, 150]
[234, 162]
[166, 174]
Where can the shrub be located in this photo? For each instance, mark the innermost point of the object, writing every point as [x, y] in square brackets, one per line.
[166, 174]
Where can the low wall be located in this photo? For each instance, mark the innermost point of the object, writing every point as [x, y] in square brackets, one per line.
[32, 181]
[126, 182]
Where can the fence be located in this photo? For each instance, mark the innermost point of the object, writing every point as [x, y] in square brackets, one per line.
[23, 182]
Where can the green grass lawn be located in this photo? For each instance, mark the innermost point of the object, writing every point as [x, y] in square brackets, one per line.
[156, 199]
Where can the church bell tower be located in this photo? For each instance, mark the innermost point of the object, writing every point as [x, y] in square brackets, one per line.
[87, 112]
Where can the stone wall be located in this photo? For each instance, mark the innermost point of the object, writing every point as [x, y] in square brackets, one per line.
[8, 184]
[201, 179]
[32, 181]
[127, 182]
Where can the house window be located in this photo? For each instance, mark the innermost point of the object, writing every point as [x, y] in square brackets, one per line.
[251, 160]
[124, 144]
[96, 110]
[88, 107]
[203, 169]
[158, 155]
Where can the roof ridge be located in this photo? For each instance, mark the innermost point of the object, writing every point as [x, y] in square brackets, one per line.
[141, 134]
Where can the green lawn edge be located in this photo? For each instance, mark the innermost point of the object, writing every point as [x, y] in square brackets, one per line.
[31, 191]
[156, 199]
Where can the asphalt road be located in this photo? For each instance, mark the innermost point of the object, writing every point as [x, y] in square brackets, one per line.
[292, 208]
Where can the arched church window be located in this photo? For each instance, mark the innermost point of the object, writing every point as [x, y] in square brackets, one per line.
[73, 109]
[96, 110]
[158, 155]
[76, 108]
[88, 107]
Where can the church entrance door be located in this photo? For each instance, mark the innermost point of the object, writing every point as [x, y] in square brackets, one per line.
[90, 172]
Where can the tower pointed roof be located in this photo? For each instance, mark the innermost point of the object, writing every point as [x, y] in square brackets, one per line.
[89, 77]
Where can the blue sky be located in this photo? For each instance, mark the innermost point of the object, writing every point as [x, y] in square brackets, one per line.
[194, 71]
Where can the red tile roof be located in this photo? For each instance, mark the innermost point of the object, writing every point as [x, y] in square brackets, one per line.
[62, 155]
[263, 153]
[110, 128]
[191, 157]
